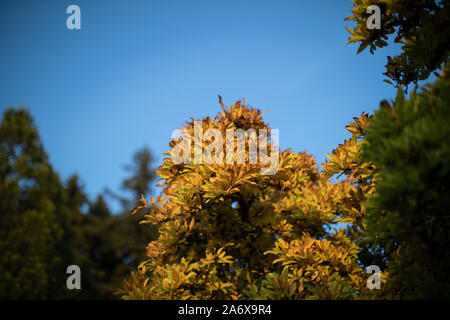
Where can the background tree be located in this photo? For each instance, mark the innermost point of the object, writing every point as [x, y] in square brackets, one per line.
[47, 226]
[115, 243]
[133, 237]
[140, 180]
[138, 184]
[36, 234]
[92, 222]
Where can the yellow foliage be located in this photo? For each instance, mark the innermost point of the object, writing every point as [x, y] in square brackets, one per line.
[228, 232]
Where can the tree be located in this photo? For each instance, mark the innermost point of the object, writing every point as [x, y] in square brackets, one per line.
[406, 145]
[139, 182]
[134, 236]
[36, 235]
[45, 226]
[228, 232]
[103, 247]
[409, 141]
[142, 175]
[421, 26]
[103, 239]
[88, 225]
[113, 244]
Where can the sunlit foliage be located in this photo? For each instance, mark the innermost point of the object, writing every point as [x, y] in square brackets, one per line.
[422, 27]
[228, 232]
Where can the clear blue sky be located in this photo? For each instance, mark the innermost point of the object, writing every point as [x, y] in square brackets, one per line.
[138, 69]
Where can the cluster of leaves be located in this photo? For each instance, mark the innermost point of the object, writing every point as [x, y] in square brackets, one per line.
[228, 232]
[421, 26]
[408, 215]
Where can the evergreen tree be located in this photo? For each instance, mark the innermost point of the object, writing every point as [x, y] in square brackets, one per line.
[140, 179]
[142, 175]
[115, 243]
[134, 236]
[36, 234]
[85, 218]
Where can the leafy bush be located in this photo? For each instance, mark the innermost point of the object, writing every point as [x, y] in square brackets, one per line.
[409, 215]
[228, 232]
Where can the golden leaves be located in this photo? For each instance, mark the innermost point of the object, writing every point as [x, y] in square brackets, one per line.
[358, 128]
[312, 263]
[191, 225]
[227, 232]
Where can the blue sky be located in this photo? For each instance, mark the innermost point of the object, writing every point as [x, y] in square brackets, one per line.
[138, 69]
